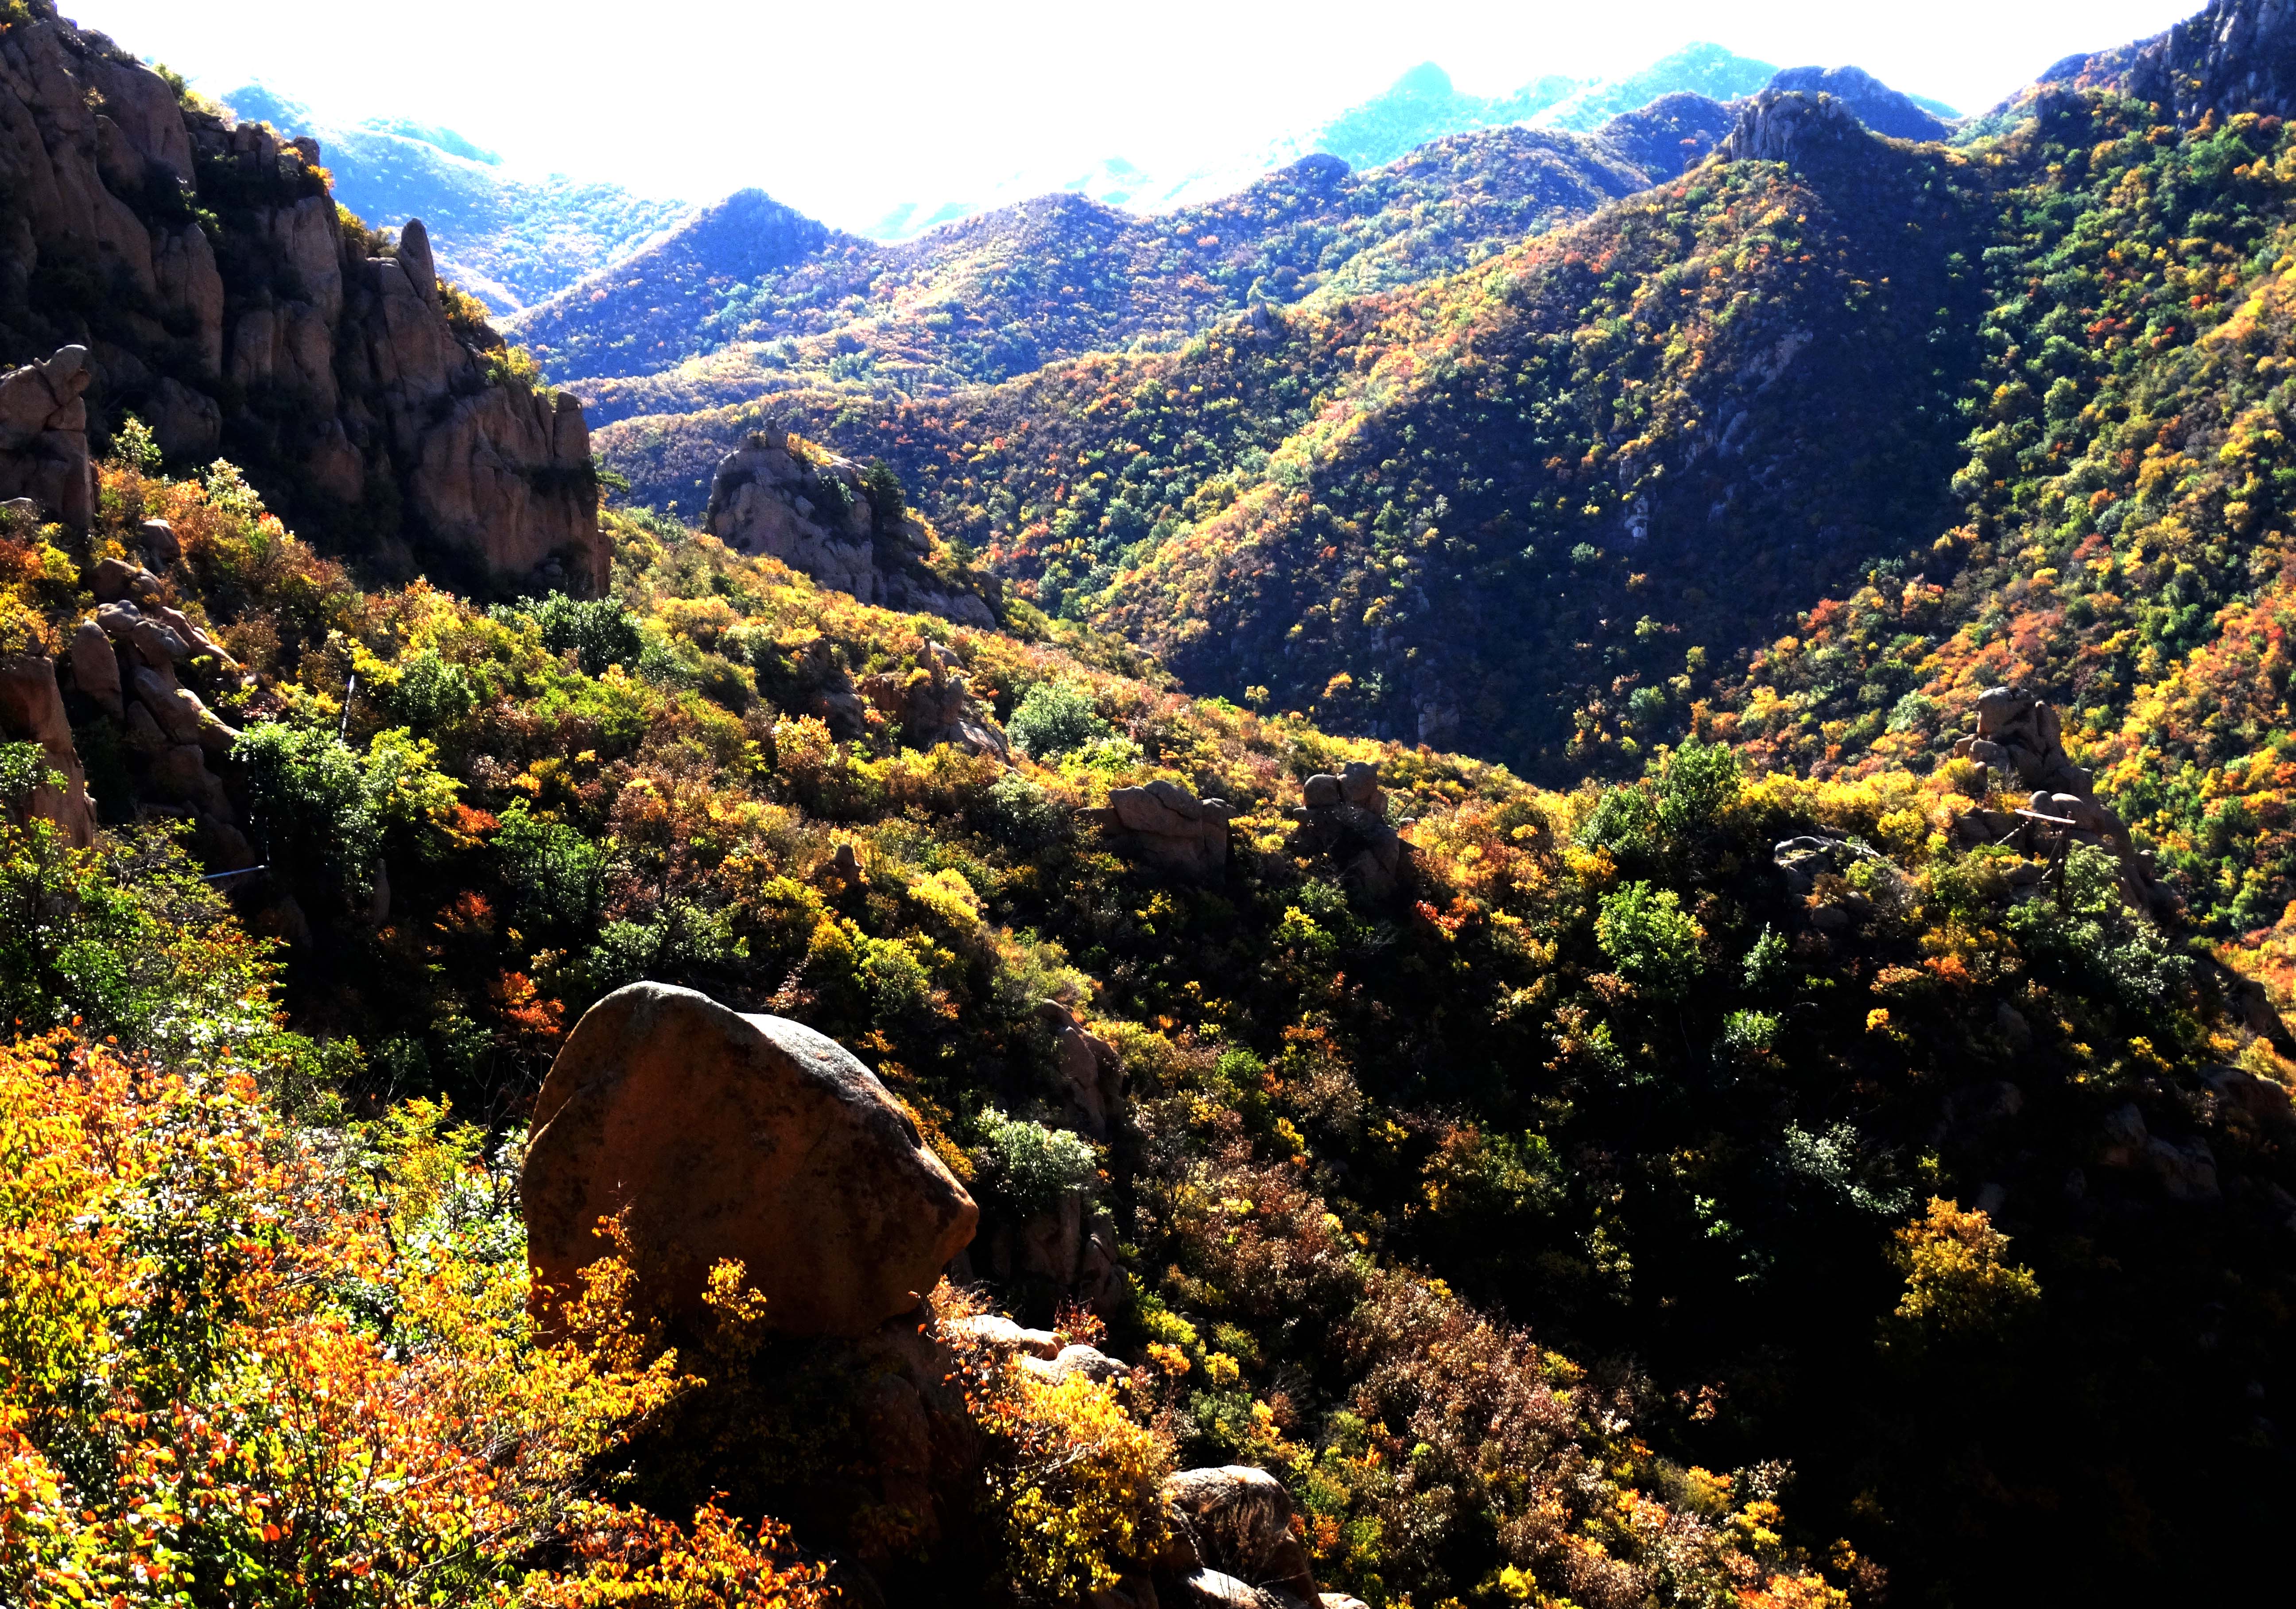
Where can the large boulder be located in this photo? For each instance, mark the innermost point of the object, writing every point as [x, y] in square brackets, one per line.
[43, 436]
[1166, 826]
[727, 1136]
[1240, 1520]
[32, 710]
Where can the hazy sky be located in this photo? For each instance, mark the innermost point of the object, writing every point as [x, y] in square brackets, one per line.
[843, 110]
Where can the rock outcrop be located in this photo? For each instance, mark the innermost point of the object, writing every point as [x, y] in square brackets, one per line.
[44, 437]
[341, 377]
[1089, 1072]
[1238, 1521]
[725, 1135]
[32, 711]
[813, 511]
[1168, 827]
[1345, 817]
[2021, 734]
[936, 706]
[1790, 127]
[1882, 109]
[2231, 57]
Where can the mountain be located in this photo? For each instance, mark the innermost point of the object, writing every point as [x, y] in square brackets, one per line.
[1106, 1091]
[1007, 291]
[1699, 69]
[1883, 109]
[1421, 106]
[508, 240]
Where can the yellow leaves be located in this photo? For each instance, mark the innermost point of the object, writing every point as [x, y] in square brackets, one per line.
[1958, 1280]
[949, 896]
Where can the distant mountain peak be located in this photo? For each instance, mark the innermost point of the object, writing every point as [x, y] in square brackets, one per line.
[1882, 109]
[1425, 79]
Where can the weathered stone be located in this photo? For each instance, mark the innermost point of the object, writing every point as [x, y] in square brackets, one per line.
[160, 543]
[95, 666]
[44, 437]
[766, 498]
[749, 1137]
[179, 712]
[384, 388]
[182, 773]
[109, 579]
[1167, 825]
[1344, 818]
[1076, 1360]
[185, 423]
[32, 710]
[935, 705]
[1091, 1074]
[1212, 1590]
[1240, 1520]
[995, 1329]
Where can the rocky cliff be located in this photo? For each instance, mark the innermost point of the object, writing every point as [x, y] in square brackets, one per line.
[221, 296]
[2234, 56]
[819, 514]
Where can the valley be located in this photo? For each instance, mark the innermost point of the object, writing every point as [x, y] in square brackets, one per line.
[1534, 852]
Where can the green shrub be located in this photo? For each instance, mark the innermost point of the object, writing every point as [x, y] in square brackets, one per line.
[1650, 938]
[1053, 719]
[1028, 1168]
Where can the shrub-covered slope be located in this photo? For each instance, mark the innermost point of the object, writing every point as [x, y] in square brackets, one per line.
[1497, 508]
[1962, 1202]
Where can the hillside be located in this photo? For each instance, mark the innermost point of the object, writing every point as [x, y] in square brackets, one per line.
[1440, 514]
[1555, 877]
[1008, 291]
[507, 241]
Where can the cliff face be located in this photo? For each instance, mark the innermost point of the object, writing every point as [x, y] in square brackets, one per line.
[221, 298]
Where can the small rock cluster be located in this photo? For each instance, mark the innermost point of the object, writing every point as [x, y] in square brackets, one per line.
[2020, 733]
[768, 498]
[1345, 816]
[1166, 826]
[936, 706]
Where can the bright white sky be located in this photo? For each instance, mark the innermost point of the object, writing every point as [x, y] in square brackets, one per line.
[841, 110]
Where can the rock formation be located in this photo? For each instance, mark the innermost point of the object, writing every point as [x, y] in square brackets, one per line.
[725, 1135]
[1788, 126]
[1237, 1521]
[44, 437]
[2231, 57]
[815, 515]
[1345, 817]
[341, 379]
[1168, 827]
[2021, 734]
[1882, 109]
[32, 710]
[1090, 1073]
[936, 706]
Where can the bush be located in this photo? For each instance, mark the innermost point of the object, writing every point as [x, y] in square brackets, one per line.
[1053, 719]
[1029, 1167]
[556, 874]
[310, 805]
[600, 631]
[1651, 940]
